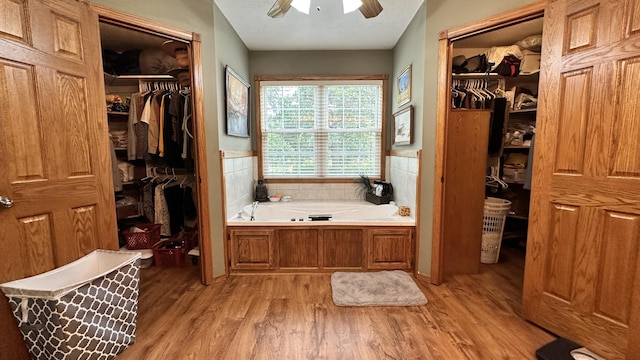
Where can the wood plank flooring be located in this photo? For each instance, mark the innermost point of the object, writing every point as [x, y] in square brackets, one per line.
[293, 317]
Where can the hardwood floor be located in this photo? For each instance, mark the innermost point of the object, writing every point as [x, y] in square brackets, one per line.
[293, 317]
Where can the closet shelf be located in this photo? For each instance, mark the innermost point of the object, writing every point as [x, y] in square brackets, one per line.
[522, 111]
[132, 80]
[492, 75]
[121, 113]
[477, 76]
[516, 147]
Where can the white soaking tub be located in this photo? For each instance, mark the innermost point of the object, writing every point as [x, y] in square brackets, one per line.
[86, 309]
[297, 213]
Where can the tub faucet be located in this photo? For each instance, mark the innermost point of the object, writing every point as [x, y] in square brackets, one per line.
[253, 210]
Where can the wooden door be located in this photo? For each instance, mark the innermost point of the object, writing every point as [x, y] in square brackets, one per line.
[466, 167]
[55, 162]
[582, 274]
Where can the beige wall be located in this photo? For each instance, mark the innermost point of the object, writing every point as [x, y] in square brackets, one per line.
[357, 62]
[409, 51]
[230, 50]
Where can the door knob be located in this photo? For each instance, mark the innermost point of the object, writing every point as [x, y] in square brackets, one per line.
[5, 202]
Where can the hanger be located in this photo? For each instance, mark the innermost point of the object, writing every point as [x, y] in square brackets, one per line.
[171, 179]
[491, 180]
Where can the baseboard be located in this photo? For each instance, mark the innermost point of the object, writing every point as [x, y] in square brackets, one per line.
[423, 278]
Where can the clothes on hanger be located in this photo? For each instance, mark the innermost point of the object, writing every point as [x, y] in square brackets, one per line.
[160, 126]
[472, 94]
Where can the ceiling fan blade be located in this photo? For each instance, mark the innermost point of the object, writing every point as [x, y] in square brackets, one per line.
[279, 8]
[370, 8]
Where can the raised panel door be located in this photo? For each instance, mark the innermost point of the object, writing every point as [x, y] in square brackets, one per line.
[56, 160]
[582, 270]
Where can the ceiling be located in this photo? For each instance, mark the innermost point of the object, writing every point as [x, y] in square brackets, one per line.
[325, 28]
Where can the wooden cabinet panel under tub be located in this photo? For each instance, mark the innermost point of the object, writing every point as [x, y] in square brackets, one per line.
[320, 248]
[390, 248]
[298, 249]
[251, 249]
[343, 249]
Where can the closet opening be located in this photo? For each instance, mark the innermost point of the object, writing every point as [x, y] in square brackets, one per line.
[154, 114]
[472, 81]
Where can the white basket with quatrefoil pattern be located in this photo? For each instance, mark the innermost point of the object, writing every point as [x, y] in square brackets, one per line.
[84, 310]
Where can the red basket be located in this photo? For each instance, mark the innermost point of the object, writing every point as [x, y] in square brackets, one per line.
[144, 239]
[172, 251]
[165, 255]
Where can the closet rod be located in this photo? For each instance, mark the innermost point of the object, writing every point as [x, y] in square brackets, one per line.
[166, 170]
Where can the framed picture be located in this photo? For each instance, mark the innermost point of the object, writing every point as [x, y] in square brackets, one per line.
[403, 126]
[404, 86]
[237, 104]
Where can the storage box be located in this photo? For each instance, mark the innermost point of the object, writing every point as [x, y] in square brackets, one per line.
[84, 310]
[530, 62]
[127, 211]
[378, 200]
[514, 174]
[145, 239]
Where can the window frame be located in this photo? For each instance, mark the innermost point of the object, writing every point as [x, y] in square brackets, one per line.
[285, 78]
[258, 119]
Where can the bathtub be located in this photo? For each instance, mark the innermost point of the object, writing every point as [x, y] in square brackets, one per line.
[296, 213]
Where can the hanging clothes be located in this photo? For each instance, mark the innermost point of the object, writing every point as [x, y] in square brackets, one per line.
[134, 105]
[148, 207]
[497, 125]
[115, 171]
[174, 196]
[161, 211]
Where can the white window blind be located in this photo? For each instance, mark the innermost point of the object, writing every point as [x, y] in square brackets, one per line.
[321, 129]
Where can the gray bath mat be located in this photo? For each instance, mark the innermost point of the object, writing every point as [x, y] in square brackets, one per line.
[382, 288]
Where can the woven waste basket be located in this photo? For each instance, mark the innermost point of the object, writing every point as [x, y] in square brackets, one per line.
[493, 219]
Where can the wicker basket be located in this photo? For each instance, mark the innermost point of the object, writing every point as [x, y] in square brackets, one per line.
[493, 219]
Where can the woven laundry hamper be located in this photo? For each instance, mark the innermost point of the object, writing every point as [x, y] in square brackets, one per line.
[493, 219]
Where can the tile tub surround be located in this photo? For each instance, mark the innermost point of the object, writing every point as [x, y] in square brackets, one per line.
[239, 181]
[317, 192]
[403, 174]
[240, 174]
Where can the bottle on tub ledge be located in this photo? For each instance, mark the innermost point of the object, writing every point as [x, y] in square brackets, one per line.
[262, 193]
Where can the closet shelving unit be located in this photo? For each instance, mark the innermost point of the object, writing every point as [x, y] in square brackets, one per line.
[515, 192]
[120, 39]
[126, 85]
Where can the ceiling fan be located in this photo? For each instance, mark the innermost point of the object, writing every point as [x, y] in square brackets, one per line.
[368, 8]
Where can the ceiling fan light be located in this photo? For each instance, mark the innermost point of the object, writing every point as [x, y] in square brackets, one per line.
[302, 5]
[351, 5]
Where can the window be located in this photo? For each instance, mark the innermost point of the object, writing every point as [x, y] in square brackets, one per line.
[321, 128]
